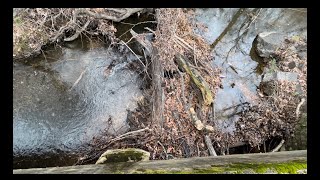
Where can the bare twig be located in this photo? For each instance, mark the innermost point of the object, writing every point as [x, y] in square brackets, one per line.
[128, 134]
[77, 81]
[133, 25]
[76, 35]
[185, 43]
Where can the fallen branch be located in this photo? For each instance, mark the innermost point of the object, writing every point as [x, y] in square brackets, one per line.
[278, 147]
[197, 79]
[212, 152]
[157, 76]
[198, 124]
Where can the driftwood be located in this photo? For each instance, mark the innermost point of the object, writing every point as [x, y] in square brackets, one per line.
[197, 79]
[287, 161]
[157, 77]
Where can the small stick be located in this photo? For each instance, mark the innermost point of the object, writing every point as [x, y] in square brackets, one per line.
[131, 133]
[212, 152]
[185, 43]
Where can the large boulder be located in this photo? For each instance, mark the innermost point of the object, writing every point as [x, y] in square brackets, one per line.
[268, 42]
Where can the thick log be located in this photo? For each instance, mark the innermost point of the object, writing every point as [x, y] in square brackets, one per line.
[276, 162]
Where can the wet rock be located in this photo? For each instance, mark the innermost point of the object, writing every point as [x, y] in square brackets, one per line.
[299, 90]
[123, 155]
[302, 55]
[268, 42]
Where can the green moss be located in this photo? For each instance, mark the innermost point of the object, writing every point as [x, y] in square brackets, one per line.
[238, 168]
[125, 156]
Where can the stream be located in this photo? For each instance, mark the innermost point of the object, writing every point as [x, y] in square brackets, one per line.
[58, 110]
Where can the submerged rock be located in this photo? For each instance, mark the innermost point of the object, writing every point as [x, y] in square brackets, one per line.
[123, 155]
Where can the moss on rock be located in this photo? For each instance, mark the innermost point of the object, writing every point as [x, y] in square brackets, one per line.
[123, 155]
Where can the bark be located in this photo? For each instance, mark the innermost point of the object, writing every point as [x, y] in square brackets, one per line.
[158, 94]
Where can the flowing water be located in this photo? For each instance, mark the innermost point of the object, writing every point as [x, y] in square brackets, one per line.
[62, 105]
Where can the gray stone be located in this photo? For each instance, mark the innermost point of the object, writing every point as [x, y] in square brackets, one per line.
[280, 76]
[268, 42]
[287, 76]
[123, 155]
[292, 65]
